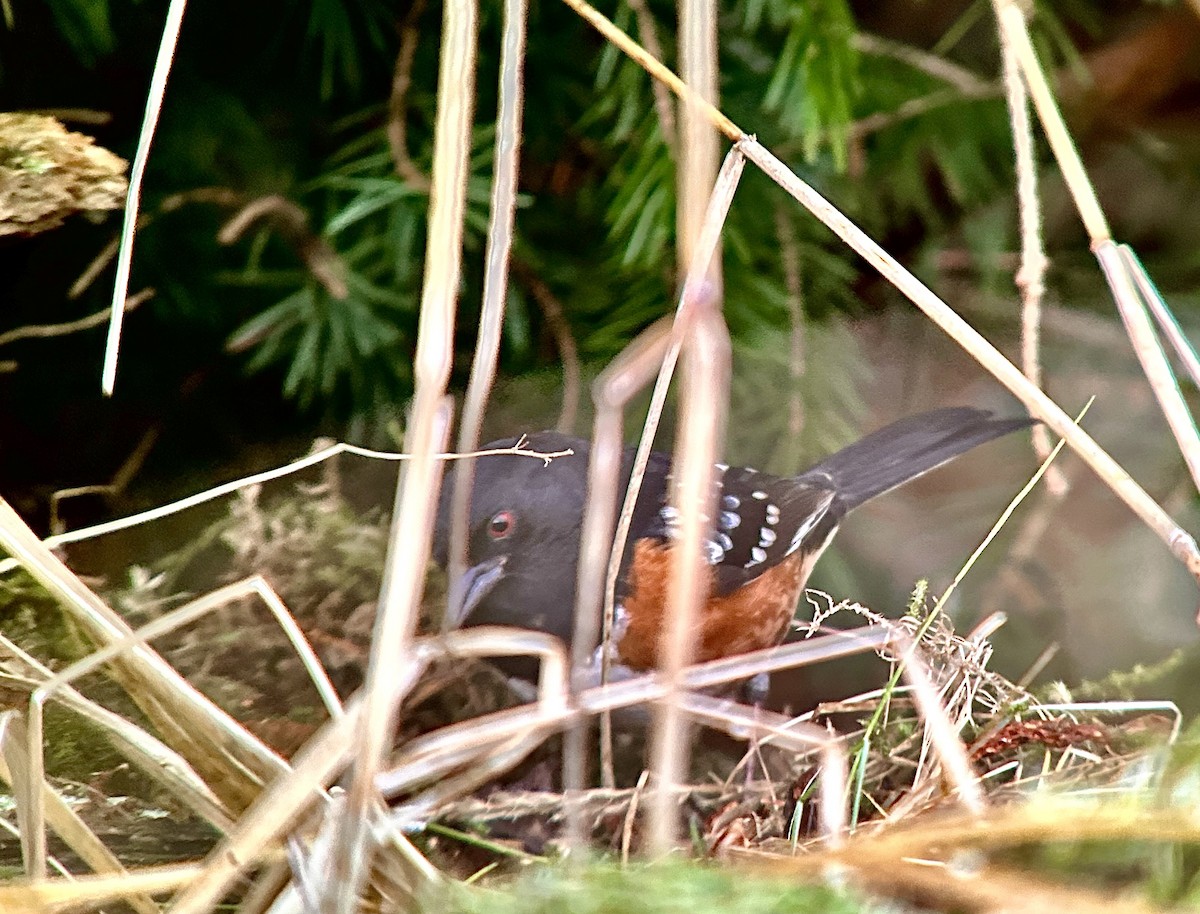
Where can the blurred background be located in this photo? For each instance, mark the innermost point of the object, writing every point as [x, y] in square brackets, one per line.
[282, 244]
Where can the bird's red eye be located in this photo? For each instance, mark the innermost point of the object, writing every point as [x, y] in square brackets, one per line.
[501, 525]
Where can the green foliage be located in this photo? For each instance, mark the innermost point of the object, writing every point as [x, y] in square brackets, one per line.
[342, 33]
[87, 27]
[904, 153]
[813, 87]
[329, 343]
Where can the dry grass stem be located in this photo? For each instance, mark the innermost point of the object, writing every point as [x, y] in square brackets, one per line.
[596, 530]
[158, 87]
[599, 564]
[698, 153]
[1005, 515]
[89, 892]
[280, 805]
[152, 757]
[268, 883]
[344, 847]
[519, 449]
[30, 790]
[1119, 274]
[388, 676]
[759, 724]
[941, 732]
[1118, 270]
[1162, 314]
[568, 349]
[631, 816]
[495, 280]
[695, 284]
[391, 658]
[654, 67]
[290, 797]
[189, 720]
[705, 249]
[1014, 35]
[1031, 274]
[664, 105]
[427, 756]
[703, 400]
[35, 827]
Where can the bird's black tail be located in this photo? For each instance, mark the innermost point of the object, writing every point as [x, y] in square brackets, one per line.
[907, 449]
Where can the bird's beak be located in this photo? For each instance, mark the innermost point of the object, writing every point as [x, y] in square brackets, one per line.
[468, 591]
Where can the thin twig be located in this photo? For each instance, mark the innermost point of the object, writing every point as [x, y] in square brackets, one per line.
[1015, 36]
[664, 105]
[397, 129]
[913, 108]
[426, 757]
[291, 220]
[631, 816]
[564, 342]
[930, 64]
[45, 331]
[219, 196]
[121, 523]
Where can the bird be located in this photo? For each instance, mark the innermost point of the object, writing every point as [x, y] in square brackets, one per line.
[767, 533]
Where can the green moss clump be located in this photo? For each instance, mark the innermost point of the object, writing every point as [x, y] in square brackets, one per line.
[668, 888]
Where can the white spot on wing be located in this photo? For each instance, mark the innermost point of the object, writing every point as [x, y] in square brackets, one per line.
[730, 520]
[713, 552]
[809, 522]
[766, 536]
[758, 555]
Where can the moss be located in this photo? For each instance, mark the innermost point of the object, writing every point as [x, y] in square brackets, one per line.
[656, 889]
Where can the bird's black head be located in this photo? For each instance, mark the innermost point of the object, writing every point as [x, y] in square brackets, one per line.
[523, 541]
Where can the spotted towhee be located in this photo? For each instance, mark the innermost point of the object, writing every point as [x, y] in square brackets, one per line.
[525, 534]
